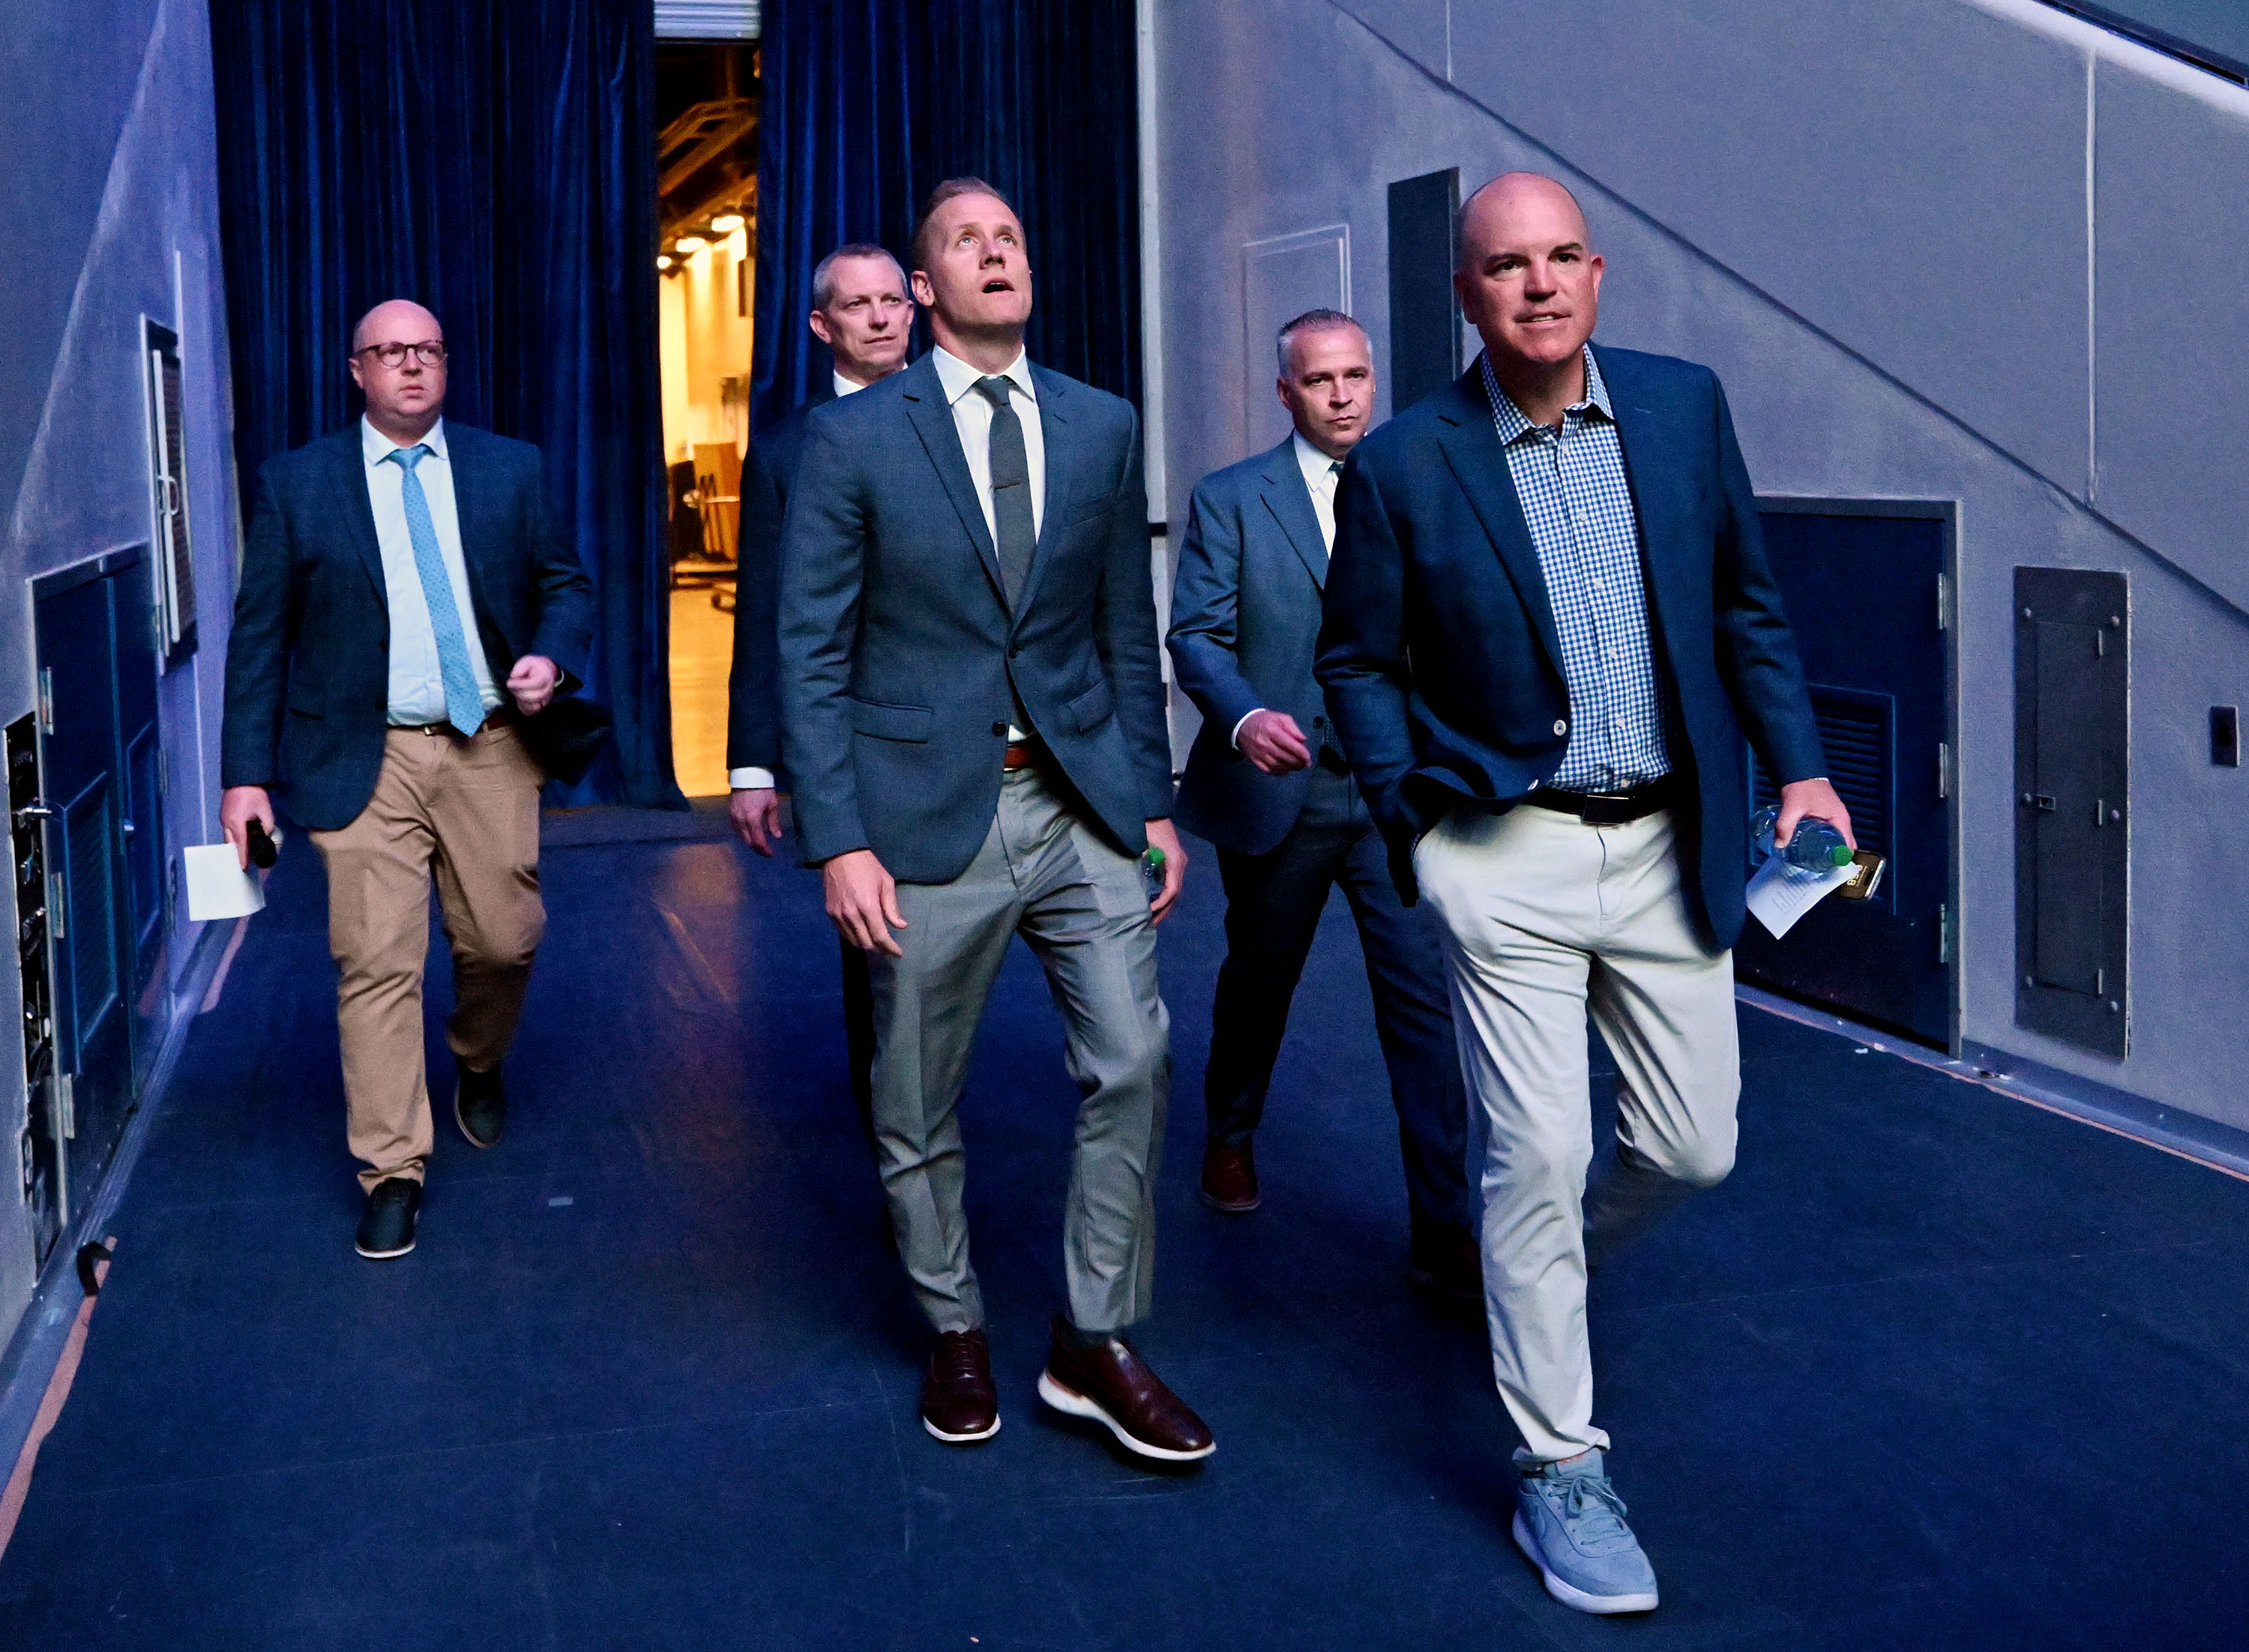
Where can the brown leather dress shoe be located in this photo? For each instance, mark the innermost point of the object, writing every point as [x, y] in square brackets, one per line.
[1229, 1178]
[1104, 1381]
[959, 1404]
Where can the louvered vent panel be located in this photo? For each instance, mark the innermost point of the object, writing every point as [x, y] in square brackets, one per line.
[1855, 729]
[92, 913]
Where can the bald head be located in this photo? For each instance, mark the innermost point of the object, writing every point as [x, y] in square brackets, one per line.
[399, 320]
[1530, 285]
[1493, 210]
[398, 359]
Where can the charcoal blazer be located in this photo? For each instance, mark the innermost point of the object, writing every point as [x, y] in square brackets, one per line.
[1438, 650]
[898, 648]
[307, 665]
[753, 684]
[1245, 621]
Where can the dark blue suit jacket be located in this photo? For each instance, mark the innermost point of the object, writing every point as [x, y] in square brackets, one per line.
[307, 664]
[898, 647]
[1438, 652]
[753, 685]
[1245, 620]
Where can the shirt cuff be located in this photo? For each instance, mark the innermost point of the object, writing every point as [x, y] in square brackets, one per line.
[1234, 740]
[750, 780]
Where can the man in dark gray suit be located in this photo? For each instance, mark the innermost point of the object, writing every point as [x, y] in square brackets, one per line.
[974, 722]
[860, 311]
[1268, 783]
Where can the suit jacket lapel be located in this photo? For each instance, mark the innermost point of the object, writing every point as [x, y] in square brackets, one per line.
[350, 462]
[1653, 485]
[1470, 442]
[932, 421]
[1291, 501]
[1063, 473]
[460, 459]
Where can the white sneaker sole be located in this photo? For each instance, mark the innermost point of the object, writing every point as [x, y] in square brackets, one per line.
[481, 1146]
[1072, 1403]
[382, 1256]
[1568, 1593]
[935, 1432]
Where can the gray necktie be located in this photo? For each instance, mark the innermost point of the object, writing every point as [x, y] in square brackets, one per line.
[1016, 533]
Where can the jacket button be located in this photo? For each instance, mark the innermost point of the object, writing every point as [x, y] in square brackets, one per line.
[999, 729]
[1561, 727]
[1319, 723]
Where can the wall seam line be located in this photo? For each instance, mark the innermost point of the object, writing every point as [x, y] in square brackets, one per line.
[2238, 609]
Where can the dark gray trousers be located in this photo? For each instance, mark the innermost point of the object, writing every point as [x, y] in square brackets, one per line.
[1273, 905]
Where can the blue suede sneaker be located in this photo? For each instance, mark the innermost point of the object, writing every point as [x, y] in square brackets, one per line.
[1570, 1521]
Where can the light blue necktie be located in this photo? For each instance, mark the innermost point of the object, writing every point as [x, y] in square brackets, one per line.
[464, 707]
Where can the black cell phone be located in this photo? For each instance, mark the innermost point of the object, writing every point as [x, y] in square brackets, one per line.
[264, 851]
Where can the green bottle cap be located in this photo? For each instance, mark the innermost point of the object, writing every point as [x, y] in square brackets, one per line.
[1155, 858]
[1841, 854]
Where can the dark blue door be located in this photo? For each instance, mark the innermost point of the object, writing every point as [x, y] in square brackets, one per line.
[1864, 585]
[97, 697]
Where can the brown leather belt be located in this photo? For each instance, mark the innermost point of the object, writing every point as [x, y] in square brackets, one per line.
[1022, 754]
[1609, 808]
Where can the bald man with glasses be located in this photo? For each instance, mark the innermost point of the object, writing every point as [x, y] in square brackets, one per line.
[408, 596]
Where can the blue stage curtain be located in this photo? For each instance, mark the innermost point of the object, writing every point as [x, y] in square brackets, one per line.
[866, 105]
[494, 160]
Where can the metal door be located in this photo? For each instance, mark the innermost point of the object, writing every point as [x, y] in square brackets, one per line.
[1867, 586]
[97, 661]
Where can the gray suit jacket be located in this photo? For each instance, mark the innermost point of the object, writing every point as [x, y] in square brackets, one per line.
[899, 650]
[1245, 623]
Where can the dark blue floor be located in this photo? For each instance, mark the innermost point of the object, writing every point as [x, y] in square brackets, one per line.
[1935, 1369]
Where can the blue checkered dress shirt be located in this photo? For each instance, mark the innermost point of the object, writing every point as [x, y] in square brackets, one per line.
[1578, 509]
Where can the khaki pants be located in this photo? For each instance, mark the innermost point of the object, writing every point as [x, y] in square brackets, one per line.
[1547, 916]
[466, 811]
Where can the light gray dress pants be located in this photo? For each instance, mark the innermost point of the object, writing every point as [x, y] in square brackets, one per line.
[1547, 917]
[1047, 875]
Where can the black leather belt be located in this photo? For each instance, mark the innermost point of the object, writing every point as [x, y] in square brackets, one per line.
[1609, 808]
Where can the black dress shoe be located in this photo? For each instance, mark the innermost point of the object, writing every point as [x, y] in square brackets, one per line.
[480, 1107]
[1098, 1376]
[386, 1228]
[959, 1404]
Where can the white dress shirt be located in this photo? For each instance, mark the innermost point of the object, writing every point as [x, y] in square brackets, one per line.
[755, 779]
[1320, 479]
[418, 680]
[971, 417]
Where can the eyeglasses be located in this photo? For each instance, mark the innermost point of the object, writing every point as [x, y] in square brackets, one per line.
[430, 353]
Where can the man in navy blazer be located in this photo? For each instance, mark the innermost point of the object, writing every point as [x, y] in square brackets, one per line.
[408, 593]
[1549, 624]
[973, 723]
[1268, 783]
[860, 311]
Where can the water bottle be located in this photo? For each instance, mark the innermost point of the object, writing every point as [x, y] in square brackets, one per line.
[1152, 872]
[1816, 847]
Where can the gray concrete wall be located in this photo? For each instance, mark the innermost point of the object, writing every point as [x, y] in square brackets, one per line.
[110, 196]
[1962, 249]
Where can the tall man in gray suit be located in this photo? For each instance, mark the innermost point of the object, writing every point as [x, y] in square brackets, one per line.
[974, 719]
[1268, 783]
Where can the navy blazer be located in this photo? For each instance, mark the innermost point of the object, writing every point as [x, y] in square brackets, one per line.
[1245, 621]
[898, 647]
[753, 684]
[307, 664]
[1439, 653]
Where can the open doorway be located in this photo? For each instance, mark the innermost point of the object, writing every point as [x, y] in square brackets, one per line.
[706, 194]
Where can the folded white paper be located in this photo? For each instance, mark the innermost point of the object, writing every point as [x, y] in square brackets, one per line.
[217, 887]
[1780, 893]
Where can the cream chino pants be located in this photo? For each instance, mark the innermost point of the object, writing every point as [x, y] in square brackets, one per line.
[1547, 917]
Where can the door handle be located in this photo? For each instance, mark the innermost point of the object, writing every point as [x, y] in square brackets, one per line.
[127, 827]
[38, 809]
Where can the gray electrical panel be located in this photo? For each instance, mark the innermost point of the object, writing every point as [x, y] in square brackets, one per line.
[2072, 814]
